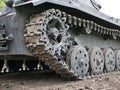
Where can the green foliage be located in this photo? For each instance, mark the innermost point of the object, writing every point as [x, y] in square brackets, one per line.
[1, 3]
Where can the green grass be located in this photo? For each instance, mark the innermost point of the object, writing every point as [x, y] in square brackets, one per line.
[1, 3]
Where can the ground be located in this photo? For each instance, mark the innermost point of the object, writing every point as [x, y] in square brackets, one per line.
[51, 81]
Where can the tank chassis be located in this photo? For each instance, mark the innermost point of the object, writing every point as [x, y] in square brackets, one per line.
[72, 37]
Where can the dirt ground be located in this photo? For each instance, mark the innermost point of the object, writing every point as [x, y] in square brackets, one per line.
[51, 81]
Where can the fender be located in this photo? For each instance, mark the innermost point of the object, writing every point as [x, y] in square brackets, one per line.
[79, 8]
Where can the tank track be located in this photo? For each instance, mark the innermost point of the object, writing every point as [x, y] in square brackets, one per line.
[33, 35]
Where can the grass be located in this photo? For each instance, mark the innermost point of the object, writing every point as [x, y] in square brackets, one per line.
[1, 3]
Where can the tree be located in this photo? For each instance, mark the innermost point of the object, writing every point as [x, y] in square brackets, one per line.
[1, 3]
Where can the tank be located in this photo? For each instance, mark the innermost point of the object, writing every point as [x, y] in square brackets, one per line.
[71, 37]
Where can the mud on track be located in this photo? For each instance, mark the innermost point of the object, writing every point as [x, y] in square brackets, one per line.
[51, 81]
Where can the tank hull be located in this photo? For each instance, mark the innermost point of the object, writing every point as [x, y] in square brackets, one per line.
[62, 34]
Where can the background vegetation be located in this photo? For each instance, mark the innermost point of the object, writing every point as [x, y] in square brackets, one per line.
[1, 3]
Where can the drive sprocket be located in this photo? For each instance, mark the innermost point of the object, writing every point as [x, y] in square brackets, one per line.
[47, 37]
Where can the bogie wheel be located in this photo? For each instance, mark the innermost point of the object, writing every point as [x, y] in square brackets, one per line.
[117, 59]
[109, 59]
[78, 61]
[96, 60]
